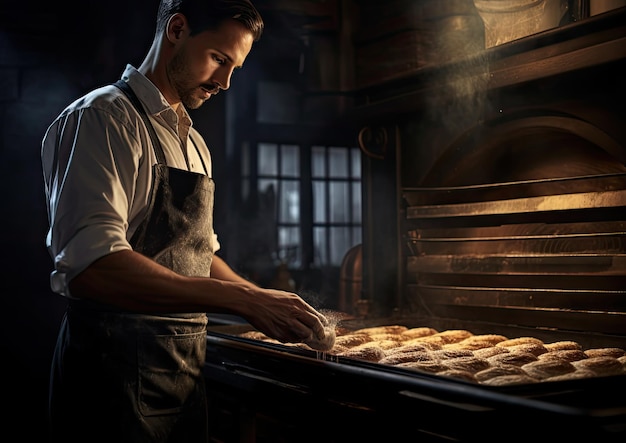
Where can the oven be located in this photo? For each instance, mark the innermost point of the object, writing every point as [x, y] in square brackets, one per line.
[494, 204]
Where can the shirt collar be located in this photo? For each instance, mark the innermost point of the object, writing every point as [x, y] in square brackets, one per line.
[150, 96]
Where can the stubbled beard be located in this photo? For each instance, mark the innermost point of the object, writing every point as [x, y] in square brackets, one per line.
[178, 73]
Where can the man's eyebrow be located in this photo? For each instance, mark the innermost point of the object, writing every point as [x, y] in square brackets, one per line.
[229, 58]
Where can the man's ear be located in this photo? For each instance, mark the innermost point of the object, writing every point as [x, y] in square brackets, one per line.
[176, 28]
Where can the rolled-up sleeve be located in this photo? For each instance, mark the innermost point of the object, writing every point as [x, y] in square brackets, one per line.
[91, 183]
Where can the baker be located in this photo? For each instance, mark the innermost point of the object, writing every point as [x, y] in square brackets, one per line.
[130, 208]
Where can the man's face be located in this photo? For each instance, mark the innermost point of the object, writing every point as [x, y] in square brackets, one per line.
[205, 62]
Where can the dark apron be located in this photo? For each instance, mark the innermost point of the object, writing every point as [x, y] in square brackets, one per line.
[131, 377]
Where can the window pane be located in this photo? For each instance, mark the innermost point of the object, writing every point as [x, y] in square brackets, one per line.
[268, 159]
[338, 162]
[356, 202]
[320, 253]
[290, 166]
[356, 163]
[267, 193]
[319, 202]
[340, 242]
[289, 245]
[289, 206]
[339, 202]
[318, 164]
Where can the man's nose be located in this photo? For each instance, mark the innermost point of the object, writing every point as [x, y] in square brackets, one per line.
[223, 80]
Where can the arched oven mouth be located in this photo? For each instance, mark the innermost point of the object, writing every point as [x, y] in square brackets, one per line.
[521, 222]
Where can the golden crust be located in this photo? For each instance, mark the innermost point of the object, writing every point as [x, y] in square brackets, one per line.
[409, 348]
[431, 366]
[600, 365]
[454, 335]
[563, 345]
[433, 344]
[542, 369]
[444, 354]
[480, 341]
[469, 364]
[490, 352]
[418, 332]
[506, 380]
[386, 336]
[385, 344]
[519, 341]
[498, 371]
[387, 329]
[403, 357]
[532, 348]
[351, 340]
[563, 354]
[371, 353]
[605, 352]
[458, 374]
[574, 375]
[512, 358]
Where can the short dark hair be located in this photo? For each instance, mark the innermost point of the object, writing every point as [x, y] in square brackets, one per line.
[203, 15]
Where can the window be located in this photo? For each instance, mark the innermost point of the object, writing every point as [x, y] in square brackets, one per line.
[336, 182]
[316, 191]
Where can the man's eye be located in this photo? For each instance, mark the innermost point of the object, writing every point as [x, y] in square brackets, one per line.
[219, 60]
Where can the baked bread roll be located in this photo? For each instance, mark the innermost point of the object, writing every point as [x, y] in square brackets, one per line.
[369, 353]
[600, 365]
[468, 364]
[574, 375]
[445, 337]
[430, 366]
[403, 357]
[542, 369]
[452, 353]
[480, 341]
[383, 344]
[433, 345]
[454, 335]
[498, 371]
[506, 380]
[351, 340]
[458, 374]
[490, 352]
[418, 332]
[563, 354]
[385, 337]
[532, 348]
[388, 329]
[520, 341]
[409, 348]
[563, 345]
[512, 358]
[604, 352]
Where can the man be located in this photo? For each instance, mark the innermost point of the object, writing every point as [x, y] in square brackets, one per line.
[130, 202]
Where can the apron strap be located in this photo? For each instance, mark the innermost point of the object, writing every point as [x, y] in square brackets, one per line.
[127, 90]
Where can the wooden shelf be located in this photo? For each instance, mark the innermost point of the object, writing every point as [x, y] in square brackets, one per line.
[599, 40]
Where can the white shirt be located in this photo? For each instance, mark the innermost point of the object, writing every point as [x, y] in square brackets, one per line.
[97, 160]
